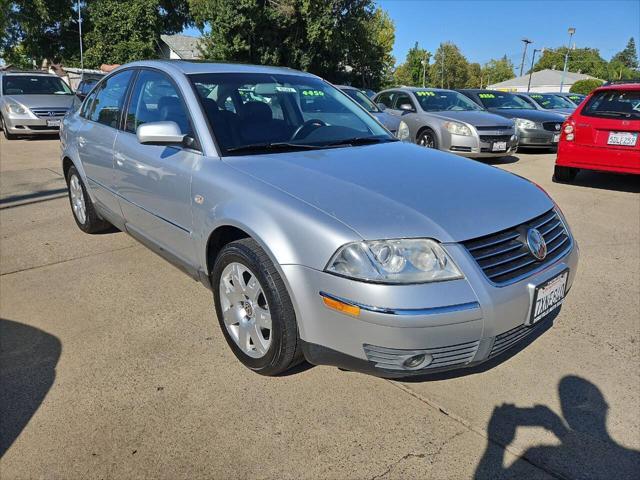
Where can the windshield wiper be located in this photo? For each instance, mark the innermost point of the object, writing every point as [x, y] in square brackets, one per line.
[361, 141]
[274, 146]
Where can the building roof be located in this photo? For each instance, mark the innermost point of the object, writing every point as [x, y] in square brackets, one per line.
[542, 78]
[184, 46]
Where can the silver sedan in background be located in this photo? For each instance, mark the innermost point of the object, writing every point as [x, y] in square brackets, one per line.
[361, 98]
[448, 121]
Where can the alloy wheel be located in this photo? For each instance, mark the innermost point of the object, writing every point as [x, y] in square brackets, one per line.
[427, 140]
[245, 310]
[77, 199]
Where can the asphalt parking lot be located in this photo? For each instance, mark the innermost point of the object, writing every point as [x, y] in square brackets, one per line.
[113, 366]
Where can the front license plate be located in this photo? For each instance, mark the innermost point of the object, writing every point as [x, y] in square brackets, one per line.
[53, 123]
[626, 139]
[499, 146]
[556, 137]
[548, 297]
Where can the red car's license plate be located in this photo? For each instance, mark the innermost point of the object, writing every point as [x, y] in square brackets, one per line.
[626, 139]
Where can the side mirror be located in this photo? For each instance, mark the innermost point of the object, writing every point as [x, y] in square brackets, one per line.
[381, 106]
[160, 133]
[406, 107]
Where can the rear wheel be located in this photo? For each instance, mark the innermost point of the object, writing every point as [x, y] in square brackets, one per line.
[427, 138]
[564, 174]
[254, 309]
[5, 130]
[84, 213]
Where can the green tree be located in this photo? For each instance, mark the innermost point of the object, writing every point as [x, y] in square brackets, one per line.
[450, 68]
[331, 38]
[495, 71]
[37, 30]
[475, 77]
[629, 56]
[582, 60]
[127, 30]
[585, 86]
[413, 69]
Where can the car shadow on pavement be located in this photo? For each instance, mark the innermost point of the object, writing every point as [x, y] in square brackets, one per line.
[500, 160]
[608, 181]
[28, 359]
[583, 449]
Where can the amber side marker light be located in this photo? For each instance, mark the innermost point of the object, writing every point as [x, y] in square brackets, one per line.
[341, 306]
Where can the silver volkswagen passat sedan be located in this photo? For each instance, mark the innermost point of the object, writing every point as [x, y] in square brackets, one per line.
[32, 103]
[448, 121]
[320, 238]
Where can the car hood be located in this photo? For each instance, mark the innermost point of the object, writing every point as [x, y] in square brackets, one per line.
[529, 114]
[473, 117]
[397, 189]
[42, 101]
[389, 121]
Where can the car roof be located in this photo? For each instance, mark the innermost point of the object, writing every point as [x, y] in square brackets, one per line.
[346, 87]
[417, 89]
[31, 74]
[194, 67]
[620, 86]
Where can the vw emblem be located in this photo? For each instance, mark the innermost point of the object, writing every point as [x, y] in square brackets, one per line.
[536, 244]
[558, 126]
[52, 114]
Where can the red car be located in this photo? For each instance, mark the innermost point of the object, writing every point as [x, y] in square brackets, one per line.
[602, 134]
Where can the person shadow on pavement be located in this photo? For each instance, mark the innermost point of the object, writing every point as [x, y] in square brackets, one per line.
[586, 450]
[28, 359]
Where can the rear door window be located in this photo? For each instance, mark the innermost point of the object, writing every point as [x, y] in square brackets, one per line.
[108, 101]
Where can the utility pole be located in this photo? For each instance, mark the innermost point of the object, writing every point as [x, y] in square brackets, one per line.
[80, 31]
[442, 79]
[571, 30]
[526, 42]
[424, 70]
[533, 59]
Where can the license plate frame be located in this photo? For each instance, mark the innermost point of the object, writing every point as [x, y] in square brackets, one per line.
[499, 147]
[540, 306]
[618, 139]
[53, 123]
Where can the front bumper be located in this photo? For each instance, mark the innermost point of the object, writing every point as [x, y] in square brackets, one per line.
[459, 323]
[31, 124]
[538, 137]
[479, 146]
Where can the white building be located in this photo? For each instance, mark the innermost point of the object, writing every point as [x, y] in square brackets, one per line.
[542, 81]
[180, 47]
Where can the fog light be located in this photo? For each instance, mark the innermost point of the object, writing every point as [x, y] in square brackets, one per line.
[569, 136]
[417, 361]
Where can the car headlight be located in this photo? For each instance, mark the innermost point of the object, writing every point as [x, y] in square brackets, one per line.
[524, 123]
[403, 131]
[458, 128]
[394, 261]
[15, 108]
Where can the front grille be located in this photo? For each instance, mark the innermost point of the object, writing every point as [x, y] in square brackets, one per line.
[50, 112]
[508, 339]
[494, 138]
[460, 149]
[504, 257]
[393, 358]
[40, 127]
[494, 128]
[551, 126]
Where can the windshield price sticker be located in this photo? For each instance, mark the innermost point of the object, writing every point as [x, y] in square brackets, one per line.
[426, 94]
[486, 95]
[313, 93]
[280, 88]
[536, 96]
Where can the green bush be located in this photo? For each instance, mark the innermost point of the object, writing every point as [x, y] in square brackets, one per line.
[585, 86]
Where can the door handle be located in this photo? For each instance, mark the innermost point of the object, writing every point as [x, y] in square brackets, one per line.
[81, 141]
[119, 159]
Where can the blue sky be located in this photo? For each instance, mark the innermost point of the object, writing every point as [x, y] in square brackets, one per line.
[489, 29]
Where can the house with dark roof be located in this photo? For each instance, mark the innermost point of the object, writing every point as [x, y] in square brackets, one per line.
[182, 47]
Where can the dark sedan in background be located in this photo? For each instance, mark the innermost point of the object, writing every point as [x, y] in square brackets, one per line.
[549, 101]
[536, 128]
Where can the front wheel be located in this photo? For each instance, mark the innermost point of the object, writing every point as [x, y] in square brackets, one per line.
[427, 139]
[254, 309]
[564, 174]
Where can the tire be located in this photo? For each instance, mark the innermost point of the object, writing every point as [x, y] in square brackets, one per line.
[89, 222]
[427, 138]
[564, 174]
[283, 351]
[5, 131]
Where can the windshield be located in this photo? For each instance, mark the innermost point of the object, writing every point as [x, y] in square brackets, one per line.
[439, 101]
[576, 98]
[34, 85]
[256, 113]
[504, 100]
[362, 99]
[614, 104]
[549, 101]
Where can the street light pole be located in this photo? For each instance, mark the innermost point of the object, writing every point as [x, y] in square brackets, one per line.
[424, 70]
[566, 57]
[524, 54]
[533, 59]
